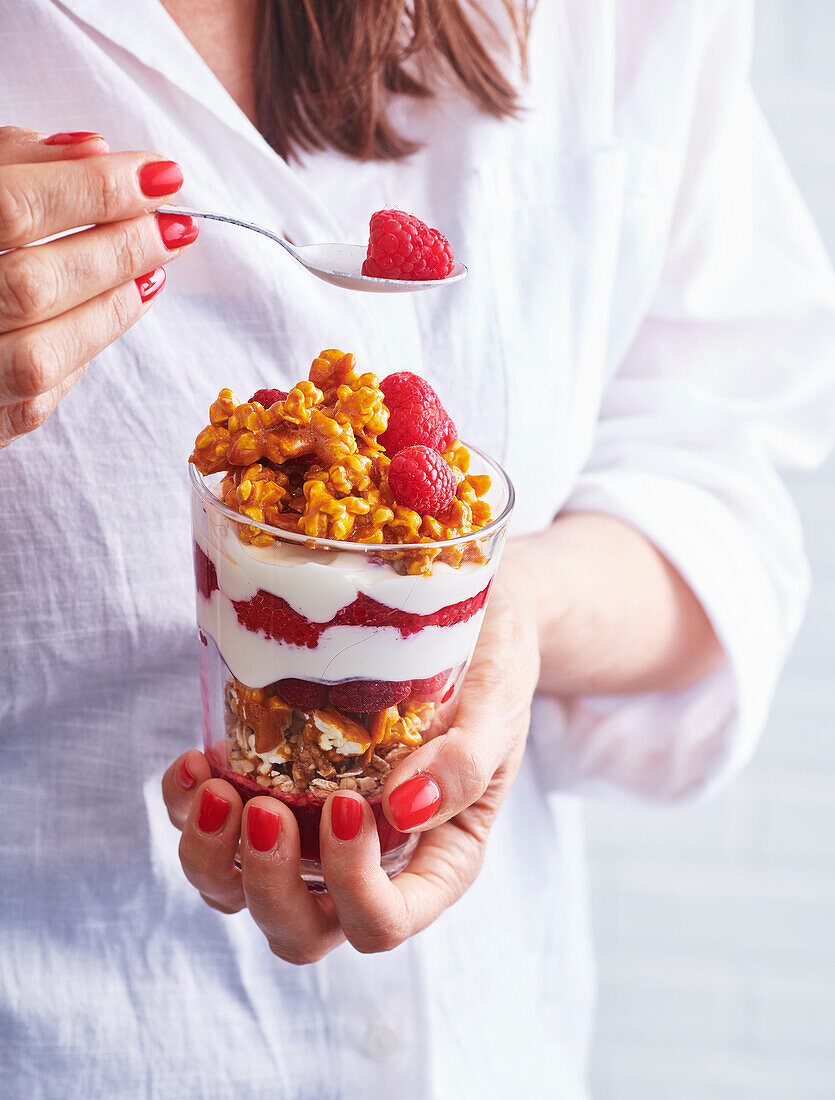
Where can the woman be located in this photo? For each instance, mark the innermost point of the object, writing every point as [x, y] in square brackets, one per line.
[646, 333]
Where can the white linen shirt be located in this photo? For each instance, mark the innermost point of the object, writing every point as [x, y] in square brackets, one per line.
[647, 330]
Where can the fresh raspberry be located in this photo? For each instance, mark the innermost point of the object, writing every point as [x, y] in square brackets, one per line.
[422, 479]
[416, 414]
[431, 689]
[205, 574]
[268, 397]
[401, 246]
[303, 694]
[365, 696]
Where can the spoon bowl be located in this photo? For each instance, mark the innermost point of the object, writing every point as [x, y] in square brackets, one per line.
[337, 264]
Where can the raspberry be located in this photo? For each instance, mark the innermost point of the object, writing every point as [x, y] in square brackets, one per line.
[303, 694]
[268, 397]
[401, 246]
[422, 479]
[365, 696]
[416, 414]
[430, 689]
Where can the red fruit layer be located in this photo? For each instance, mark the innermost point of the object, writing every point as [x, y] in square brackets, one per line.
[205, 573]
[307, 809]
[369, 696]
[303, 694]
[270, 615]
[273, 616]
[361, 696]
[428, 690]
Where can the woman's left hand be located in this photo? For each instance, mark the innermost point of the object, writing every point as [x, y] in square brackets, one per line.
[463, 776]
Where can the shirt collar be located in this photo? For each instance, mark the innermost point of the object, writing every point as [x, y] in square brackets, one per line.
[145, 29]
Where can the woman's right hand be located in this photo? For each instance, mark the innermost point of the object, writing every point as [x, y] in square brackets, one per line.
[64, 301]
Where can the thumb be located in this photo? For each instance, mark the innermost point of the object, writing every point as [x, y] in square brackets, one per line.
[453, 770]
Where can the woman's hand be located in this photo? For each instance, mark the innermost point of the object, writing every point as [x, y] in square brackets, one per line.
[449, 790]
[64, 301]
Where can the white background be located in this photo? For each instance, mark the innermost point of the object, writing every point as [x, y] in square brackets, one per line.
[715, 925]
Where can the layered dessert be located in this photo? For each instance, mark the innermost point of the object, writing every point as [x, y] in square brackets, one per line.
[345, 541]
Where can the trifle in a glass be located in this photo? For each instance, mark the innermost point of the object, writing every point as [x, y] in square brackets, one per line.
[342, 579]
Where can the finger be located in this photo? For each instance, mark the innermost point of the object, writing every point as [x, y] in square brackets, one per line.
[21, 146]
[39, 200]
[299, 929]
[47, 280]
[377, 913]
[33, 360]
[209, 844]
[180, 783]
[452, 771]
[25, 416]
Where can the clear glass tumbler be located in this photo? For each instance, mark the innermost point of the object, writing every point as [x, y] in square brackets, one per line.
[322, 662]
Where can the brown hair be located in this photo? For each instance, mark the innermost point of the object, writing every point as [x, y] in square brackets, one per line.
[327, 70]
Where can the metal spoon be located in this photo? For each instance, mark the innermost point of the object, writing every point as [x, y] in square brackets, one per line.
[339, 264]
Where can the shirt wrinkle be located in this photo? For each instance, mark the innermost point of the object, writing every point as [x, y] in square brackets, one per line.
[595, 348]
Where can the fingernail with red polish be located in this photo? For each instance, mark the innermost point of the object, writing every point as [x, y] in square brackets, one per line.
[414, 801]
[262, 828]
[177, 230]
[160, 177]
[184, 777]
[75, 137]
[151, 284]
[212, 812]
[346, 816]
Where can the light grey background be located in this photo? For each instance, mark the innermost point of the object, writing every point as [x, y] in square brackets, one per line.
[715, 925]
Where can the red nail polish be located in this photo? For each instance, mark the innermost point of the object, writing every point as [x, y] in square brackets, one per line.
[262, 828]
[212, 812]
[74, 137]
[346, 816]
[184, 777]
[177, 230]
[414, 801]
[160, 177]
[151, 284]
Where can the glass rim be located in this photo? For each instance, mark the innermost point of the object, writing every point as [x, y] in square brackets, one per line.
[300, 539]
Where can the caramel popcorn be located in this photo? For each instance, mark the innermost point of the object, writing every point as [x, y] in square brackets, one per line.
[313, 464]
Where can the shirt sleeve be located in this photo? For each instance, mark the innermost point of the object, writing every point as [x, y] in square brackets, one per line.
[729, 380]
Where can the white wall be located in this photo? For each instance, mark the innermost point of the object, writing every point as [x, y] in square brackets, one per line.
[716, 925]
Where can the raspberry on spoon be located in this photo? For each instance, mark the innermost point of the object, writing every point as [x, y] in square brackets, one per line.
[401, 246]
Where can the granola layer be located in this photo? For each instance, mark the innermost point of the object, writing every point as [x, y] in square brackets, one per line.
[294, 751]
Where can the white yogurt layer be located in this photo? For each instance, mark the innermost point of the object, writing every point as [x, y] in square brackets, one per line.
[317, 584]
[343, 652]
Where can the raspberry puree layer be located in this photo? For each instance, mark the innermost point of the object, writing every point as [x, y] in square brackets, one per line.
[341, 653]
[273, 616]
[318, 584]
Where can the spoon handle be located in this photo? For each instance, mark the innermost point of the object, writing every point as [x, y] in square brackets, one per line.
[232, 221]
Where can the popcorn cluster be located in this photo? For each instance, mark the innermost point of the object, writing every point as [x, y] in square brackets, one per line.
[313, 462]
